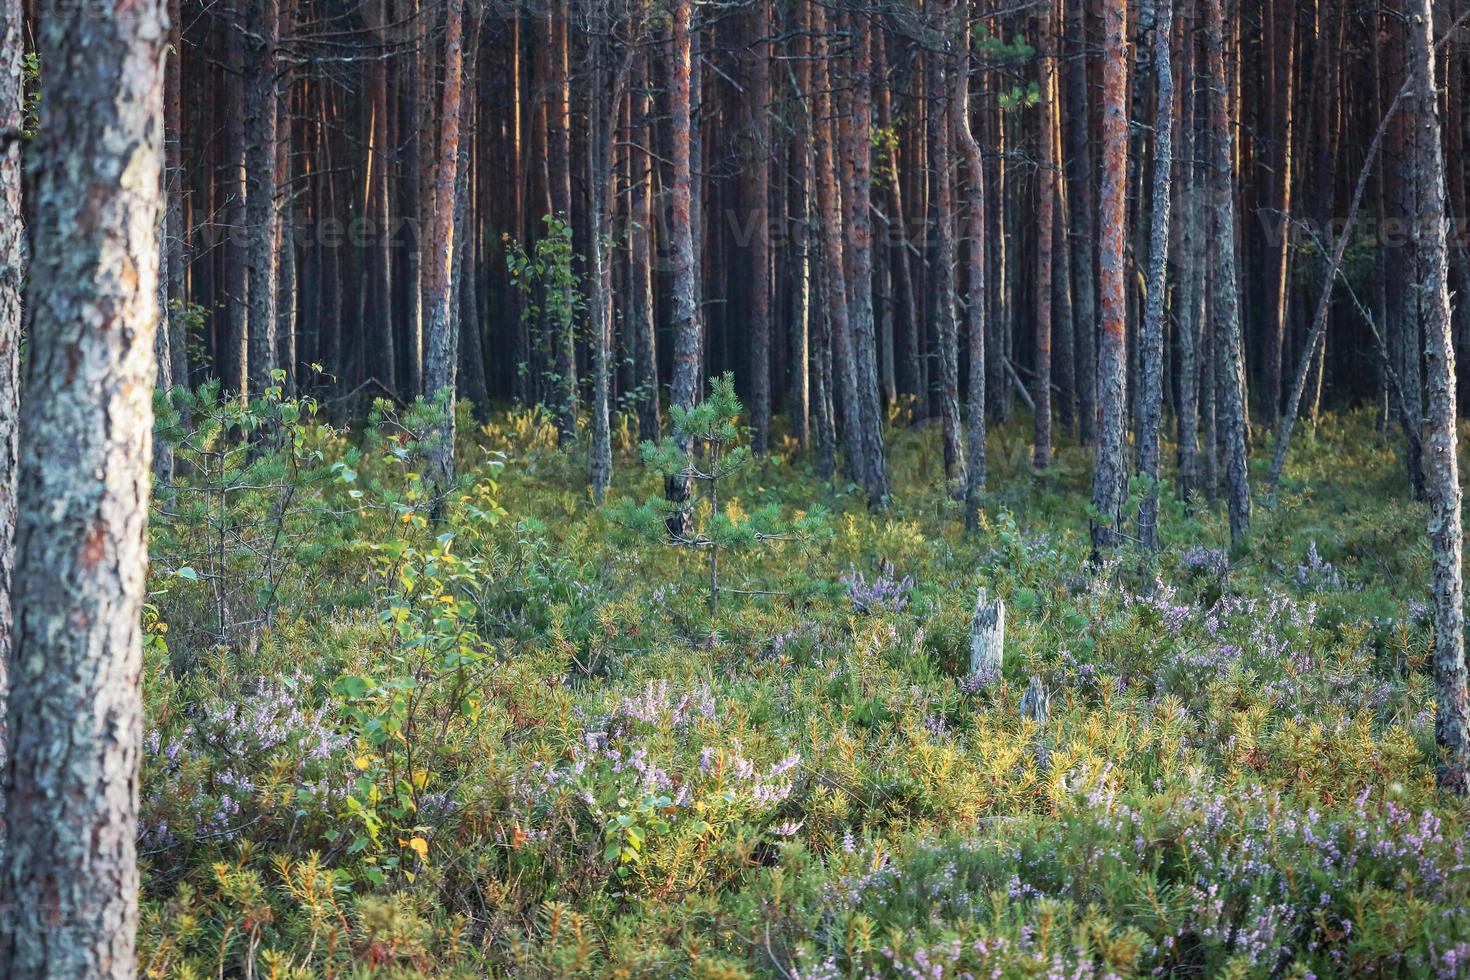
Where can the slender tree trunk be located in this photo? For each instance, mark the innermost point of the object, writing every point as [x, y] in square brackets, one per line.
[1452, 705]
[1224, 303]
[1082, 202]
[645, 307]
[12, 276]
[1277, 313]
[1045, 233]
[684, 391]
[76, 714]
[235, 366]
[442, 358]
[760, 245]
[976, 298]
[262, 28]
[1109, 474]
[1191, 269]
[1153, 325]
[858, 252]
[941, 144]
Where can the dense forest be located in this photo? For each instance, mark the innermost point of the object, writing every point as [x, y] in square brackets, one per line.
[795, 488]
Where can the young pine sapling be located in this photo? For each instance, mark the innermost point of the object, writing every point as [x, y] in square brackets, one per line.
[705, 448]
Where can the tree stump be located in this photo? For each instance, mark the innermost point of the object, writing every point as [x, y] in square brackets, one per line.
[987, 638]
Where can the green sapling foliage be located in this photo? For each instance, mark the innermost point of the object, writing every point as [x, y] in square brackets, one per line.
[705, 448]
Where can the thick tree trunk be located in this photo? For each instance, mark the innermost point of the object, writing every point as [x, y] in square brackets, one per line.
[1109, 475]
[442, 360]
[1153, 323]
[76, 718]
[1452, 706]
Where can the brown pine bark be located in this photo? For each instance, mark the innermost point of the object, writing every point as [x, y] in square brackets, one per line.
[1109, 475]
[76, 718]
[442, 360]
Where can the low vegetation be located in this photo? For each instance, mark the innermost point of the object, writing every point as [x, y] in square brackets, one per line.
[517, 743]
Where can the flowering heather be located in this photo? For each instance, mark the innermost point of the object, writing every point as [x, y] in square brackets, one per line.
[526, 748]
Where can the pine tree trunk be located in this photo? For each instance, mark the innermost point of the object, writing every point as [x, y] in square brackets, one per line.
[1452, 706]
[1082, 204]
[1191, 269]
[942, 218]
[645, 307]
[262, 27]
[442, 359]
[12, 276]
[1045, 233]
[1224, 304]
[76, 718]
[856, 130]
[1109, 474]
[1153, 324]
[760, 255]
[684, 391]
[235, 262]
[975, 299]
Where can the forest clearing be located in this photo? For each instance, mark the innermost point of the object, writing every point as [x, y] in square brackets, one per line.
[767, 488]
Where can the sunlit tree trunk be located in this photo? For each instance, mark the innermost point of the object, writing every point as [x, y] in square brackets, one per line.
[1452, 706]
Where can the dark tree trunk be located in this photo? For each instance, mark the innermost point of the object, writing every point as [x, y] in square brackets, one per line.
[1224, 301]
[1153, 324]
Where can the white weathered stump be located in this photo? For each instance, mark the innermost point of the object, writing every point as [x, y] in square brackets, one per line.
[987, 638]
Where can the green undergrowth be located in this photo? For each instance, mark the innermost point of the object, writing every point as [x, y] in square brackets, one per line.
[517, 743]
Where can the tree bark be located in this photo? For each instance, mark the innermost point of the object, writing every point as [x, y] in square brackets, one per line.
[12, 277]
[1045, 233]
[442, 359]
[684, 391]
[1153, 324]
[1109, 473]
[1452, 706]
[70, 874]
[1224, 300]
[975, 298]
[262, 35]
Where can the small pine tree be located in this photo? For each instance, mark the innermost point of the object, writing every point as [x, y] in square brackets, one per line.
[705, 448]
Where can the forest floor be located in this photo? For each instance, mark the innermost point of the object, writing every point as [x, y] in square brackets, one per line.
[516, 742]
